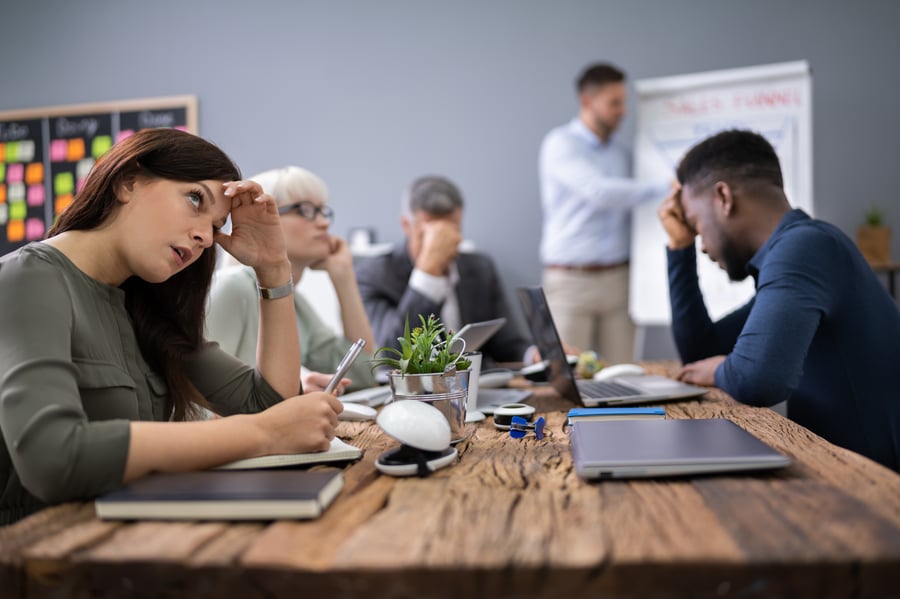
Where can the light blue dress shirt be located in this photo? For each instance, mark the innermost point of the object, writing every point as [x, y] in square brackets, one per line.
[587, 197]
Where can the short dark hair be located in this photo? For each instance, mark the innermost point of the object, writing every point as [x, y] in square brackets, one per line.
[731, 156]
[433, 195]
[599, 74]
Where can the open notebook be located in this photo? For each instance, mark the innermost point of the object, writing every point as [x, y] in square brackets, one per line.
[339, 451]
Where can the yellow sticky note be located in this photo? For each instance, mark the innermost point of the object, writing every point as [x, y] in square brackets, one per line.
[63, 183]
[100, 145]
[17, 210]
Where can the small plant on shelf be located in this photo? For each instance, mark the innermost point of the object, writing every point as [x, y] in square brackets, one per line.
[874, 217]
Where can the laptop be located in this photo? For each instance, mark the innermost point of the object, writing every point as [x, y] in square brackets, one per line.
[476, 334]
[618, 391]
[651, 448]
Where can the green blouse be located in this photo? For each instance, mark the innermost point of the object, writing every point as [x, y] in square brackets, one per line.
[72, 377]
[232, 319]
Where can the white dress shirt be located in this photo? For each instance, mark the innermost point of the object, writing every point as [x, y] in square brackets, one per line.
[587, 197]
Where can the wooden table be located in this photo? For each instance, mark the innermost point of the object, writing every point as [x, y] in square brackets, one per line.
[511, 519]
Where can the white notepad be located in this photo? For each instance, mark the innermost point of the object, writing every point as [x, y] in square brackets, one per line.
[339, 451]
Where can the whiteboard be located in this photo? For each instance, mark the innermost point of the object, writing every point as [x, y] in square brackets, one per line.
[675, 113]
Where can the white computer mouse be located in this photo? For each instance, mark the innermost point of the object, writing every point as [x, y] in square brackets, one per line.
[357, 412]
[495, 378]
[615, 370]
[415, 423]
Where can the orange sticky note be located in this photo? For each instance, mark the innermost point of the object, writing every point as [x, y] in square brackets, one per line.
[62, 202]
[2, 193]
[34, 173]
[2, 152]
[15, 230]
[76, 150]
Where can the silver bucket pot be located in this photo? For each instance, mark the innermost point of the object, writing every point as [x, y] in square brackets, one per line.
[446, 391]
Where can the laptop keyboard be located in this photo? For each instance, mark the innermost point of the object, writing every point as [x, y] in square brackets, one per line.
[604, 389]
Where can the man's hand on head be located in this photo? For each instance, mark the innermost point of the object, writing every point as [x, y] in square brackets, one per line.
[440, 246]
[671, 214]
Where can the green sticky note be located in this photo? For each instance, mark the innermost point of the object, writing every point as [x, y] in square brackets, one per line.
[2, 172]
[12, 151]
[17, 210]
[63, 183]
[100, 145]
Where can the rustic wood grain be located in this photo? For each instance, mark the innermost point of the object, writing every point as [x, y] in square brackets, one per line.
[510, 519]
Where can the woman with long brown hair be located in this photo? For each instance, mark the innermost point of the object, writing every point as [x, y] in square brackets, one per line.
[102, 356]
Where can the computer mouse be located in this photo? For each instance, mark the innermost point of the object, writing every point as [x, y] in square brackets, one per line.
[494, 378]
[357, 412]
[615, 370]
[415, 423]
[536, 373]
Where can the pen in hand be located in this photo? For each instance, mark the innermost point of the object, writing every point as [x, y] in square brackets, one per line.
[345, 364]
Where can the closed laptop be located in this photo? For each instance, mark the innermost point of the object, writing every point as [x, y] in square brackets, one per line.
[652, 448]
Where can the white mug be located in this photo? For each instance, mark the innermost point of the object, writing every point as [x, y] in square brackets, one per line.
[472, 413]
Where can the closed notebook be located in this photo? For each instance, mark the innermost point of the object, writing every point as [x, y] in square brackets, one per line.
[339, 451]
[224, 495]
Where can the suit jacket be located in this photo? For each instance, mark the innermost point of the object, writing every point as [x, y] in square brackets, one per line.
[384, 286]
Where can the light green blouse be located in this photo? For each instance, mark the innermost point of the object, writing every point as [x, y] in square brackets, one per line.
[232, 319]
[72, 377]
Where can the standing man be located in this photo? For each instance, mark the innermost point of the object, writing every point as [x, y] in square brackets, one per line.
[429, 274]
[587, 197]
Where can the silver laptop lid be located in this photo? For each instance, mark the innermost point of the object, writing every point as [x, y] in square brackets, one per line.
[477, 334]
[648, 448]
[619, 391]
[546, 338]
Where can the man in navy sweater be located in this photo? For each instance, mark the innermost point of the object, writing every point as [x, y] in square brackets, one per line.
[821, 332]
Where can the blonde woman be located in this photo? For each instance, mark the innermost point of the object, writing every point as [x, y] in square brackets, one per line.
[232, 318]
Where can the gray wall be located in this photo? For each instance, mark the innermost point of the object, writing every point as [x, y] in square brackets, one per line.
[372, 94]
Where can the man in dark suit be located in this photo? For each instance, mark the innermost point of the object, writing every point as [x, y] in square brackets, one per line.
[428, 274]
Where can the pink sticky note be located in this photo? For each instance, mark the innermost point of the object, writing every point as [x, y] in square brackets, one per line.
[35, 195]
[58, 150]
[15, 173]
[34, 228]
[123, 134]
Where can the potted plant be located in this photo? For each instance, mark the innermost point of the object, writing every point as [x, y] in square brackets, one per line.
[873, 238]
[429, 366]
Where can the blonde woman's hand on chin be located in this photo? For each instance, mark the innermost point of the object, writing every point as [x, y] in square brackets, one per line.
[256, 237]
[300, 424]
[339, 261]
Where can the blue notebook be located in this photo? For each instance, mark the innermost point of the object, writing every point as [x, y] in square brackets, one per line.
[587, 414]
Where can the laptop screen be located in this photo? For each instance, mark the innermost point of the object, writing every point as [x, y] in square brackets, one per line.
[546, 338]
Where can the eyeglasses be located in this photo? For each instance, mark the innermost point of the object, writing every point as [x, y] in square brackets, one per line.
[308, 210]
